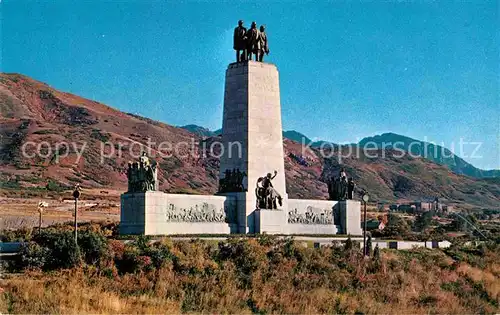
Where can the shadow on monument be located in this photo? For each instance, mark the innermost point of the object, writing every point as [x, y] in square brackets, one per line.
[251, 222]
[336, 218]
[231, 215]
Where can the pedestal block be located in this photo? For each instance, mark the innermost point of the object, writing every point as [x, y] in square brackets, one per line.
[133, 213]
[243, 201]
[158, 213]
[270, 221]
[350, 217]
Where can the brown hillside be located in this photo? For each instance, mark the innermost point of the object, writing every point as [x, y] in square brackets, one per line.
[33, 112]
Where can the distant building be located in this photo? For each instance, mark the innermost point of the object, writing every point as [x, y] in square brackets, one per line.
[428, 206]
[446, 208]
[417, 205]
[407, 208]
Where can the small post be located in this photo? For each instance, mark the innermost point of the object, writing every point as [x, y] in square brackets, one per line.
[40, 211]
[76, 195]
[76, 220]
[366, 197]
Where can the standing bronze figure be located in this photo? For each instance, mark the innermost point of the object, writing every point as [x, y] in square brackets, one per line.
[350, 188]
[143, 175]
[338, 188]
[253, 42]
[332, 189]
[240, 42]
[264, 47]
[342, 189]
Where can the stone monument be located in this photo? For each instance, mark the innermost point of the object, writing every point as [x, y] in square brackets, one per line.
[252, 194]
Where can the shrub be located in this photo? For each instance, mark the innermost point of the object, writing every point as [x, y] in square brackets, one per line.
[267, 240]
[129, 262]
[423, 221]
[116, 249]
[142, 242]
[261, 275]
[55, 186]
[247, 256]
[45, 132]
[32, 256]
[396, 226]
[159, 254]
[97, 134]
[10, 184]
[93, 246]
[348, 244]
[20, 235]
[63, 251]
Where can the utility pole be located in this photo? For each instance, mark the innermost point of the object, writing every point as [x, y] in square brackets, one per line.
[366, 197]
[76, 195]
[40, 212]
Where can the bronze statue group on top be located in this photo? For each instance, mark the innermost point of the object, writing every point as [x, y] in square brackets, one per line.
[248, 42]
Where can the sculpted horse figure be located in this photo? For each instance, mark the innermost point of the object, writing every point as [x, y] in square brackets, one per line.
[267, 196]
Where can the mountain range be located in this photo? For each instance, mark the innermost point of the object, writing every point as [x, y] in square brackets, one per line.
[100, 140]
[430, 151]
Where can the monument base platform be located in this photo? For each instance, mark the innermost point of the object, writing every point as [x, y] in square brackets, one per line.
[269, 221]
[158, 213]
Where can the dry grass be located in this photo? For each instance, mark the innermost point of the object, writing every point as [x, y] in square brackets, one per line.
[19, 213]
[271, 278]
[491, 283]
[73, 292]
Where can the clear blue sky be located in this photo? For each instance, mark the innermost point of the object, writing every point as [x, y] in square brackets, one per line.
[428, 70]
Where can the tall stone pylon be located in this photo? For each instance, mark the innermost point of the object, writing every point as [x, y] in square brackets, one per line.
[252, 139]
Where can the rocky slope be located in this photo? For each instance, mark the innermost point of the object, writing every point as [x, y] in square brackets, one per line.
[35, 116]
[430, 151]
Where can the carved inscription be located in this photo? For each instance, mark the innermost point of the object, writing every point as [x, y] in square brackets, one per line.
[312, 215]
[200, 213]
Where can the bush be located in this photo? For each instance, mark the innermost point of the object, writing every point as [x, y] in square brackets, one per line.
[97, 134]
[348, 244]
[32, 256]
[20, 235]
[396, 226]
[260, 275]
[129, 262]
[93, 246]
[139, 256]
[423, 221]
[55, 186]
[247, 256]
[10, 184]
[63, 251]
[159, 254]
